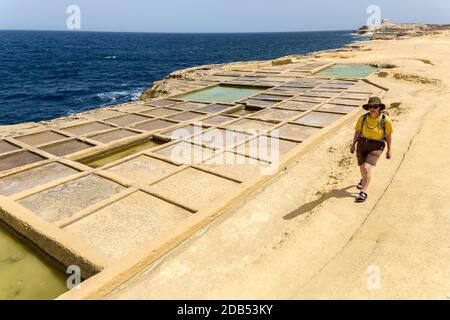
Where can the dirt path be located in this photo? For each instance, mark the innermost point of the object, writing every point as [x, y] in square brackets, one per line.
[402, 249]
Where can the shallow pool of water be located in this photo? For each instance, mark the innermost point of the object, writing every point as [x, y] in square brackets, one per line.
[348, 71]
[25, 275]
[119, 153]
[221, 94]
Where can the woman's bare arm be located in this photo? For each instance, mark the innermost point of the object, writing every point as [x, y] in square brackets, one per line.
[389, 146]
[355, 140]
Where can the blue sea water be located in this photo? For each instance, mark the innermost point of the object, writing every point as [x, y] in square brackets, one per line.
[45, 74]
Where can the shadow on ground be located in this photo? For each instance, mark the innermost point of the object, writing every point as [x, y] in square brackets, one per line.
[307, 207]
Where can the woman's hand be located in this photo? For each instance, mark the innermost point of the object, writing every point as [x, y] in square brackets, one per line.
[352, 148]
[389, 154]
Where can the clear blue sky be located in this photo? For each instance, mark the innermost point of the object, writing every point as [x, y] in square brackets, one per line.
[215, 15]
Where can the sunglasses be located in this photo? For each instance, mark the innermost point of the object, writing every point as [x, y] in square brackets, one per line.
[374, 107]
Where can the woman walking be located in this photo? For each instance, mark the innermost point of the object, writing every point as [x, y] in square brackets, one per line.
[372, 132]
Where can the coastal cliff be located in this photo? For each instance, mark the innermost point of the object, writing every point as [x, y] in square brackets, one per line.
[388, 30]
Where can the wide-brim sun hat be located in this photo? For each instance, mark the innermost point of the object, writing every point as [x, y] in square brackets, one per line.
[374, 101]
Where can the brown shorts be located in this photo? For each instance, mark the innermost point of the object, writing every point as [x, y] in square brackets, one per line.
[369, 151]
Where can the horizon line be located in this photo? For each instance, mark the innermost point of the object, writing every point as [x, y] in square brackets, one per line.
[173, 32]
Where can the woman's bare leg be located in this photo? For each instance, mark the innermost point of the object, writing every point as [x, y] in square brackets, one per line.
[363, 175]
[366, 170]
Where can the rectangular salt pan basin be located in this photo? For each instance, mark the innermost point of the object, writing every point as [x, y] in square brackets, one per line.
[31, 178]
[113, 135]
[235, 166]
[128, 223]
[337, 108]
[154, 125]
[183, 132]
[220, 138]
[40, 138]
[217, 120]
[297, 132]
[7, 147]
[223, 94]
[298, 105]
[278, 114]
[186, 116]
[88, 128]
[119, 153]
[251, 124]
[66, 147]
[69, 198]
[195, 188]
[161, 112]
[186, 153]
[162, 103]
[143, 169]
[348, 71]
[266, 148]
[215, 108]
[128, 119]
[319, 119]
[19, 159]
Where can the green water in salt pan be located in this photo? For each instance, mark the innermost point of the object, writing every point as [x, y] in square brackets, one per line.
[24, 275]
[119, 153]
[348, 71]
[221, 94]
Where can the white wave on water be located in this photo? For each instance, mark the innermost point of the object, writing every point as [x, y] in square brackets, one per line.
[111, 57]
[360, 39]
[125, 95]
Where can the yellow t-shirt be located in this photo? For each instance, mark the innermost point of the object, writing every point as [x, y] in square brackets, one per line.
[372, 127]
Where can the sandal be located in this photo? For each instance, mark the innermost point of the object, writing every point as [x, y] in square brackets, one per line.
[360, 185]
[362, 196]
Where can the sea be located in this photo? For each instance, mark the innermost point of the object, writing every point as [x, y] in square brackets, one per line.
[49, 74]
